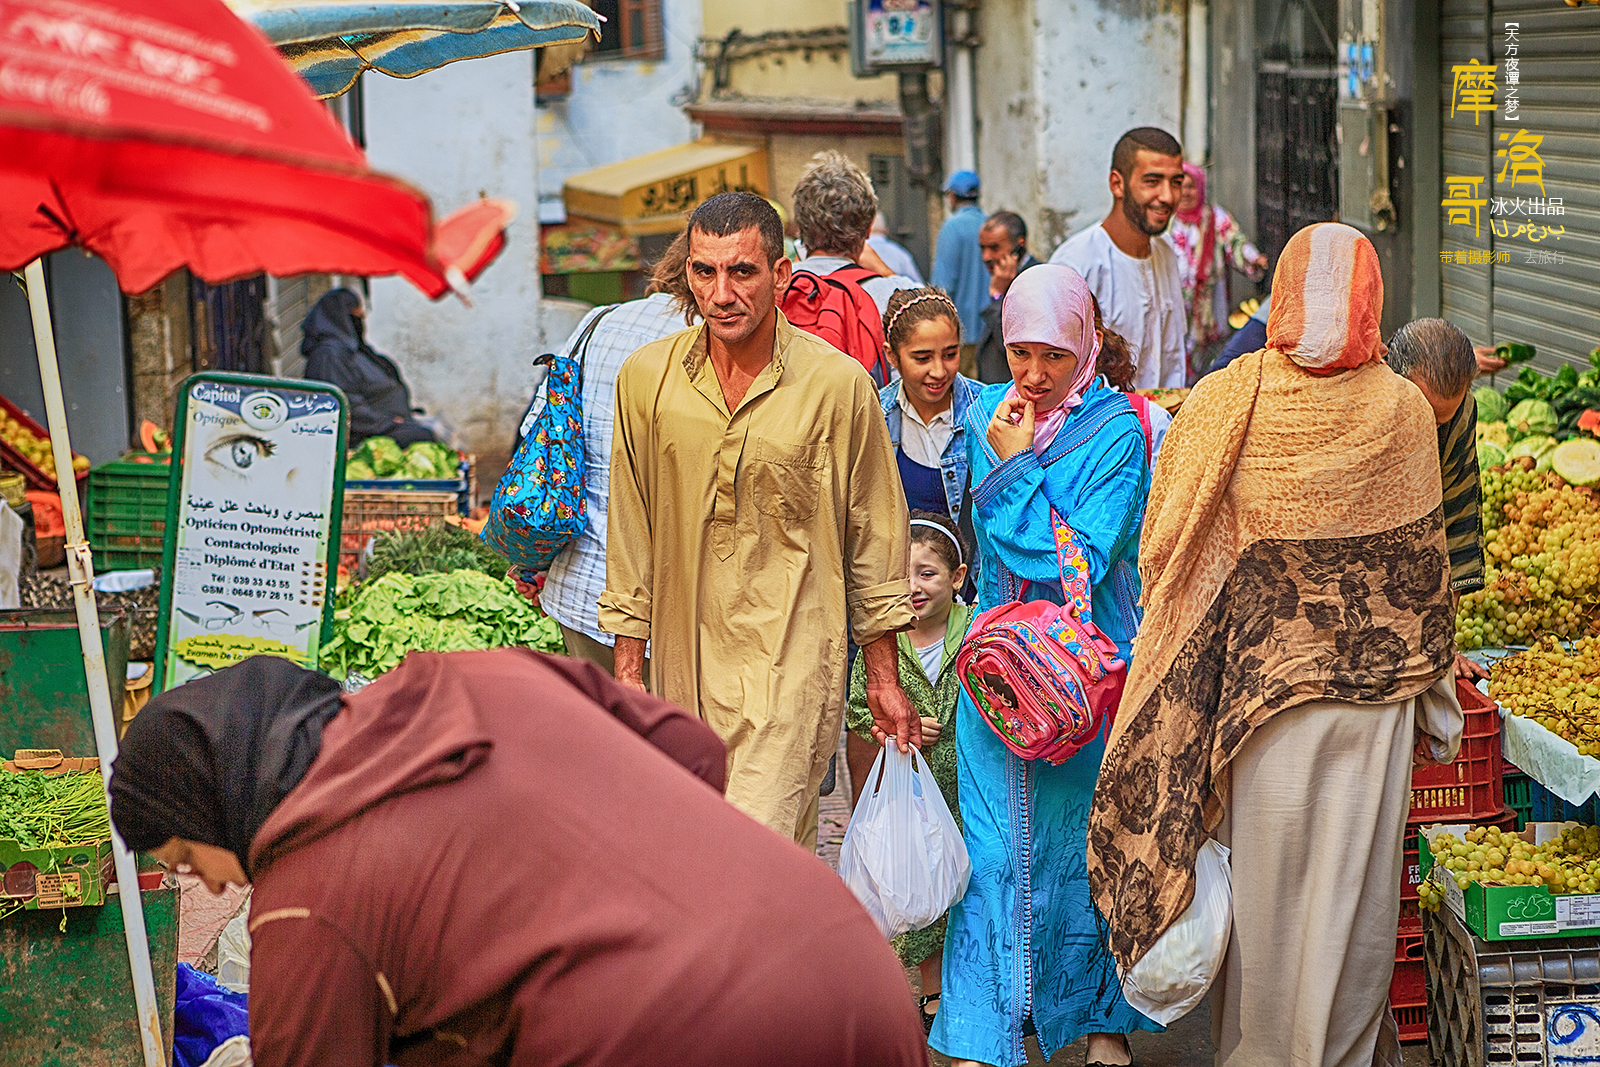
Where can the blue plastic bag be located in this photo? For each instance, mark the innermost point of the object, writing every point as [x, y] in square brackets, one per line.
[205, 1015]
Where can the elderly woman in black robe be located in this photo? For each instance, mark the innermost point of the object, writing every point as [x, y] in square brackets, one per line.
[333, 340]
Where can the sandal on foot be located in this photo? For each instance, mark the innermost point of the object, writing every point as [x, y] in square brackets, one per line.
[927, 1017]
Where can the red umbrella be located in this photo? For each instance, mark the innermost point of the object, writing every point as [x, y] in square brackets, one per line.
[167, 133]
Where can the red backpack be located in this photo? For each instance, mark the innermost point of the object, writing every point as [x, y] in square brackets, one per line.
[835, 308]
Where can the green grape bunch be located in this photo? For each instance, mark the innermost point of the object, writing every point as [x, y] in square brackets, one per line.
[1555, 685]
[1542, 561]
[1566, 864]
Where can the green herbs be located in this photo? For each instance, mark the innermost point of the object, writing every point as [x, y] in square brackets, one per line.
[43, 811]
[437, 550]
[458, 611]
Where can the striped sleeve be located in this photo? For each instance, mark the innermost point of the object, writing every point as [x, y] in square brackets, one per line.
[1463, 524]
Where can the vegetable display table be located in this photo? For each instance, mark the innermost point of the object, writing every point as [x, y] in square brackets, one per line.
[66, 999]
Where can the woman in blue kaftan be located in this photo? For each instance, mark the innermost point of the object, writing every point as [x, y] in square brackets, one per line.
[1025, 944]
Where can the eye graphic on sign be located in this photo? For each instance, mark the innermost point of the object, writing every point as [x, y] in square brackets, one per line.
[237, 453]
[263, 411]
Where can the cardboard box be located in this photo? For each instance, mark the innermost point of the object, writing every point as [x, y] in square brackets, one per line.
[1496, 912]
[63, 876]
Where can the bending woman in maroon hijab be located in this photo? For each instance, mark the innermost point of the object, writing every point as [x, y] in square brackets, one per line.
[502, 858]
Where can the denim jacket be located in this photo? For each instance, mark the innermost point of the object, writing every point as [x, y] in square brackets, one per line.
[954, 461]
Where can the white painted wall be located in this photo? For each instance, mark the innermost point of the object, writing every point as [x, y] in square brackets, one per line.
[1058, 82]
[462, 130]
[618, 108]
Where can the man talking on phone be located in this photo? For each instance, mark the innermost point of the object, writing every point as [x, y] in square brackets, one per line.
[1003, 240]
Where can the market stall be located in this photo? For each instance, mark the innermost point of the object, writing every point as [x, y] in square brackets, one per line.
[1536, 625]
[621, 217]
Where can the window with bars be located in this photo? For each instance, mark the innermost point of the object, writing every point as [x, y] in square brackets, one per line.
[632, 29]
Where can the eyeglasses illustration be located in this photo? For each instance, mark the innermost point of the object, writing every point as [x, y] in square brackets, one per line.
[217, 615]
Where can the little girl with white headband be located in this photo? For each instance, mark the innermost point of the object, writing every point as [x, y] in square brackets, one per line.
[928, 675]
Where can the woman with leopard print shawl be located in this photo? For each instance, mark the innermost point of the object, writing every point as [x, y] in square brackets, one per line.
[1297, 637]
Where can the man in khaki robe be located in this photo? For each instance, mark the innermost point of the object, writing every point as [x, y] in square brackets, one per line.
[755, 510]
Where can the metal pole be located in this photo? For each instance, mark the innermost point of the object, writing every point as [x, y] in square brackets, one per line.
[80, 569]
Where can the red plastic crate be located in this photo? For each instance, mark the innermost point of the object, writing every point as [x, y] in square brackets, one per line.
[1410, 919]
[1473, 785]
[37, 479]
[1408, 999]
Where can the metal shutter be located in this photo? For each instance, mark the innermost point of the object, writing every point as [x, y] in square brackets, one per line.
[1555, 306]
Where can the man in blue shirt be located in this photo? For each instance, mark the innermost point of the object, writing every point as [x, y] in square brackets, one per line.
[958, 266]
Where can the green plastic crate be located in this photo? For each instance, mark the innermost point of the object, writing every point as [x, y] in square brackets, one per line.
[126, 514]
[1519, 797]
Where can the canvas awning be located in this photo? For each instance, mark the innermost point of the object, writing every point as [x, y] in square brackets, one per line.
[655, 192]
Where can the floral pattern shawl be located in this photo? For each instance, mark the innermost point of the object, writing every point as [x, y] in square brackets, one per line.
[1293, 551]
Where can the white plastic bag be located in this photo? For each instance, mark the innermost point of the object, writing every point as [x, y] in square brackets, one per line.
[1169, 980]
[903, 856]
[233, 953]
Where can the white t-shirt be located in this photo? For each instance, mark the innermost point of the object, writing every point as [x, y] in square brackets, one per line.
[931, 658]
[1141, 299]
[924, 442]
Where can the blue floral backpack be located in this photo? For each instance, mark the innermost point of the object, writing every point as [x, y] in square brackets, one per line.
[539, 505]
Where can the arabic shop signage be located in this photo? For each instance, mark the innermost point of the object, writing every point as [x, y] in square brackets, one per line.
[1511, 202]
[684, 192]
[252, 523]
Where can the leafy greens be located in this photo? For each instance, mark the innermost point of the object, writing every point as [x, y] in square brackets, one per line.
[454, 612]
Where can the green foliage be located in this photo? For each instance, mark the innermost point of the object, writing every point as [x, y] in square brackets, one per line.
[382, 454]
[436, 550]
[1532, 418]
[382, 457]
[458, 611]
[1492, 406]
[1536, 446]
[41, 811]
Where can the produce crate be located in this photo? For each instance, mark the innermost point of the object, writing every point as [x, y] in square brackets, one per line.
[1410, 919]
[37, 479]
[1520, 912]
[1408, 991]
[1496, 1005]
[368, 512]
[1519, 796]
[462, 485]
[1545, 806]
[126, 514]
[62, 877]
[1418, 861]
[1471, 786]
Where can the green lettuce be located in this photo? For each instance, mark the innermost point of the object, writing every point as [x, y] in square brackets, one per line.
[458, 611]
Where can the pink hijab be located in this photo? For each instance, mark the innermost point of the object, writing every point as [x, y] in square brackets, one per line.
[1194, 215]
[1050, 304]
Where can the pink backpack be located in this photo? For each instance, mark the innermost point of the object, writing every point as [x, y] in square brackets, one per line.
[1044, 677]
